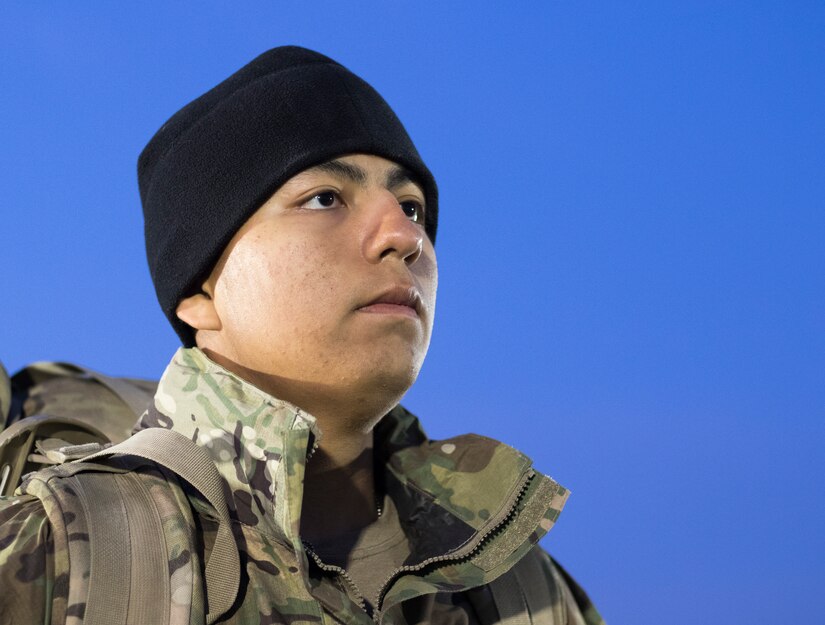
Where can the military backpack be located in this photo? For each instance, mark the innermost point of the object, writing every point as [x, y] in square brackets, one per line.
[51, 409]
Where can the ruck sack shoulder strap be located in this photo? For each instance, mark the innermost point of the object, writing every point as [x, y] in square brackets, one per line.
[176, 452]
[536, 591]
[125, 533]
[527, 594]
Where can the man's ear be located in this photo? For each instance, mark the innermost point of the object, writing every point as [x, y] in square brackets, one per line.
[199, 312]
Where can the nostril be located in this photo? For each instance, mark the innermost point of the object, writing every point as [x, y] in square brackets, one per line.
[410, 255]
[415, 255]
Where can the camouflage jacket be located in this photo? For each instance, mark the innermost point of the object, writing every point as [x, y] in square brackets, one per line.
[471, 507]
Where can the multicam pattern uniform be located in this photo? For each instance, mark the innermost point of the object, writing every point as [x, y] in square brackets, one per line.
[471, 507]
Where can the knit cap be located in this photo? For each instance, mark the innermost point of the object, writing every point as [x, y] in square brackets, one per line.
[220, 157]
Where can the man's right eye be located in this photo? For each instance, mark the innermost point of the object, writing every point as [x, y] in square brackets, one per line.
[321, 201]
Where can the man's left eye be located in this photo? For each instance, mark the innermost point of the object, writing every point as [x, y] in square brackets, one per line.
[326, 199]
[414, 210]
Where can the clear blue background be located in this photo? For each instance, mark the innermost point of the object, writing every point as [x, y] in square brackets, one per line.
[631, 251]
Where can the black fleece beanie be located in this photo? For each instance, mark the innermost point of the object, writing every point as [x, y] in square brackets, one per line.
[219, 158]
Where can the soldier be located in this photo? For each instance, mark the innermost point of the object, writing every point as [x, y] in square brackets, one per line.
[290, 228]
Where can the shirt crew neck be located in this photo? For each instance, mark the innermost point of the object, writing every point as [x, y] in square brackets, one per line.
[370, 555]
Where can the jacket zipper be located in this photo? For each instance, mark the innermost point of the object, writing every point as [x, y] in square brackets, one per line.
[332, 568]
[310, 550]
[460, 554]
[464, 552]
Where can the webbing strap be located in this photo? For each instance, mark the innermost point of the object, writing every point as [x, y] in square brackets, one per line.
[149, 593]
[107, 603]
[192, 463]
[510, 602]
[132, 396]
[533, 580]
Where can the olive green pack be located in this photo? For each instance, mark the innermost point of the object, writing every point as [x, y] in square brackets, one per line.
[49, 407]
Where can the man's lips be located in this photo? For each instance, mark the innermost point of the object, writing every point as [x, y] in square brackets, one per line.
[396, 300]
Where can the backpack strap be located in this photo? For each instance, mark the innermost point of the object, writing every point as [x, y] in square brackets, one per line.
[127, 551]
[511, 603]
[180, 455]
[530, 593]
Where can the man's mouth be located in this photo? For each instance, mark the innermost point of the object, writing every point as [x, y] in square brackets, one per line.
[401, 300]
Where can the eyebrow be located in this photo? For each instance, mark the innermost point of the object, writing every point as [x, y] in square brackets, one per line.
[397, 176]
[347, 171]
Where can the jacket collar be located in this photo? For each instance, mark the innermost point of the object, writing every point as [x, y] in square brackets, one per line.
[258, 442]
[451, 495]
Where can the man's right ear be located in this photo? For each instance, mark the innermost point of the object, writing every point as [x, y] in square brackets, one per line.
[198, 311]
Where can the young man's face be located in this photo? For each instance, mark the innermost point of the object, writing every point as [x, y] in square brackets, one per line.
[328, 290]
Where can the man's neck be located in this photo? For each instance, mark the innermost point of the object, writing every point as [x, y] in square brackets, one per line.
[339, 482]
[339, 488]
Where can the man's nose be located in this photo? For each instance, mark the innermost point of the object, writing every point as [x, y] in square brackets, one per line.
[389, 232]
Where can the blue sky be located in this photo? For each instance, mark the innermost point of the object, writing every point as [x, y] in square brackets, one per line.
[632, 275]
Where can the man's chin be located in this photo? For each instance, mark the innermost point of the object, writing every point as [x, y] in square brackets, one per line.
[383, 391]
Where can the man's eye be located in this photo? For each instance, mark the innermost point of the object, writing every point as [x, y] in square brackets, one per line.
[414, 210]
[320, 201]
